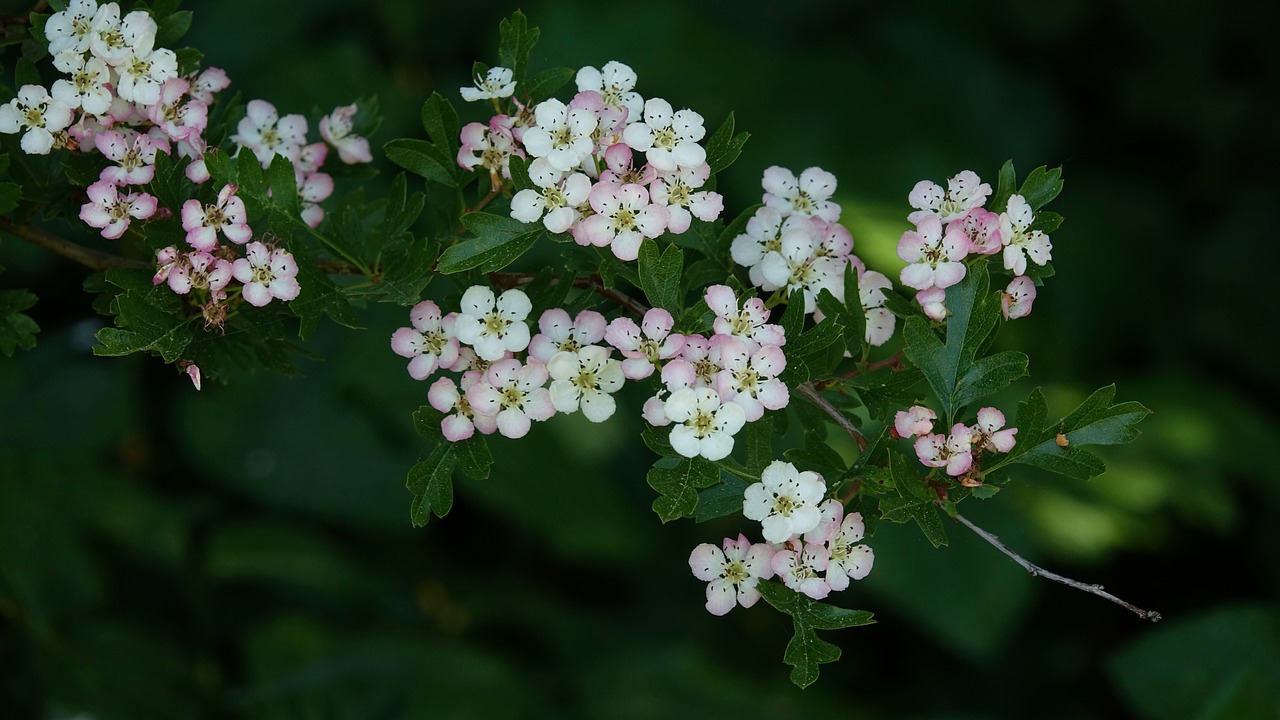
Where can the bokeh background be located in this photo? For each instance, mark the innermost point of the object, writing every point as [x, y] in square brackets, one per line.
[246, 551]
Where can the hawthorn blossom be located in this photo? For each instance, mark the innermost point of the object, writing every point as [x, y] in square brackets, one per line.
[141, 76]
[134, 157]
[702, 425]
[70, 30]
[808, 196]
[675, 191]
[731, 573]
[496, 83]
[749, 324]
[799, 564]
[562, 134]
[493, 327]
[953, 452]
[115, 41]
[916, 420]
[209, 81]
[880, 321]
[841, 533]
[337, 129]
[796, 266]
[987, 433]
[267, 273]
[965, 191]
[180, 118]
[39, 114]
[762, 235]
[645, 344]
[1016, 300]
[934, 303]
[610, 122]
[615, 83]
[429, 344]
[460, 421]
[313, 189]
[87, 86]
[113, 211]
[228, 214]
[556, 202]
[750, 379]
[982, 228]
[202, 271]
[1020, 241]
[668, 139]
[489, 146]
[167, 259]
[266, 134]
[585, 378]
[513, 392]
[620, 169]
[785, 501]
[624, 218]
[560, 333]
[934, 257]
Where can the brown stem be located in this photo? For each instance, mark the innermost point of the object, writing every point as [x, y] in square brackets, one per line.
[483, 202]
[92, 259]
[1034, 569]
[893, 360]
[808, 390]
[585, 282]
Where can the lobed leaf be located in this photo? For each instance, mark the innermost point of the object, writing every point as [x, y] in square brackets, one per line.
[17, 330]
[806, 651]
[431, 482]
[678, 485]
[660, 275]
[497, 243]
[1041, 186]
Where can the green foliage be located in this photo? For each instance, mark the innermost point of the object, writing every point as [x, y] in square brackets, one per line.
[723, 147]
[497, 243]
[517, 41]
[17, 329]
[431, 482]
[1041, 187]
[660, 275]
[806, 651]
[678, 482]
[916, 500]
[147, 319]
[1095, 422]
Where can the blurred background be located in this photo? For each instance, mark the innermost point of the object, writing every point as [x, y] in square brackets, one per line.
[246, 551]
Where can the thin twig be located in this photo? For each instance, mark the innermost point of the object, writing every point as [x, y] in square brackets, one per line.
[584, 282]
[808, 390]
[1034, 569]
[90, 258]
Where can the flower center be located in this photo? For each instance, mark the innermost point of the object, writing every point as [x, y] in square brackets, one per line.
[625, 219]
[702, 423]
[496, 324]
[784, 505]
[735, 572]
[586, 380]
[665, 138]
[512, 397]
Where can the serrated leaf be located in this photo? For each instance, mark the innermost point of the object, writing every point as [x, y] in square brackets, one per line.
[10, 196]
[660, 275]
[1046, 222]
[497, 243]
[818, 456]
[679, 485]
[658, 440]
[519, 173]
[431, 482]
[720, 500]
[915, 501]
[1005, 185]
[17, 330]
[1095, 422]
[144, 326]
[885, 388]
[171, 29]
[474, 458]
[516, 42]
[815, 341]
[440, 121]
[426, 421]
[990, 375]
[757, 438]
[424, 160]
[283, 185]
[806, 651]
[724, 147]
[221, 167]
[855, 320]
[1041, 186]
[546, 84]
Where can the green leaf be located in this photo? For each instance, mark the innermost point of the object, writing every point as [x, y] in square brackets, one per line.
[885, 388]
[1095, 422]
[990, 375]
[426, 420]
[497, 243]
[915, 500]
[724, 147]
[144, 324]
[722, 499]
[440, 121]
[1004, 187]
[818, 456]
[220, 166]
[474, 457]
[17, 330]
[660, 275]
[758, 440]
[1046, 222]
[546, 84]
[806, 651]
[171, 29]
[833, 308]
[516, 42]
[319, 297]
[855, 317]
[658, 440]
[519, 173]
[431, 482]
[678, 484]
[284, 186]
[424, 160]
[811, 345]
[10, 196]
[1041, 186]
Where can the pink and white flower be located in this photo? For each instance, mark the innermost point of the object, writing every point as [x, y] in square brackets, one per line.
[841, 533]
[749, 324]
[732, 573]
[562, 135]
[615, 83]
[965, 191]
[674, 190]
[808, 196]
[557, 201]
[180, 118]
[36, 113]
[624, 218]
[202, 271]
[489, 146]
[460, 421]
[313, 189]
[493, 327]
[141, 76]
[785, 501]
[560, 333]
[267, 273]
[987, 433]
[934, 257]
[880, 321]
[797, 266]
[1017, 298]
[585, 378]
[1020, 241]
[135, 157]
[227, 214]
[953, 452]
[113, 211]
[934, 303]
[750, 378]
[668, 139]
[515, 394]
[429, 344]
[982, 228]
[645, 344]
[916, 420]
[338, 129]
[701, 424]
[209, 81]
[496, 83]
[266, 134]
[800, 565]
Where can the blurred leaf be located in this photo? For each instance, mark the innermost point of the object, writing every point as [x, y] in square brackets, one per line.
[171, 29]
[17, 330]
[431, 482]
[806, 651]
[724, 147]
[678, 484]
[497, 243]
[660, 275]
[517, 41]
[269, 551]
[10, 196]
[658, 440]
[424, 160]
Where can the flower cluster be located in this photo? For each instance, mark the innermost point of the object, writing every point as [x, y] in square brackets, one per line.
[810, 544]
[954, 224]
[583, 160]
[959, 450]
[796, 242]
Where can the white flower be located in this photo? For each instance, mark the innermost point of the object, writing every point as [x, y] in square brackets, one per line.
[562, 135]
[39, 114]
[86, 88]
[797, 266]
[732, 573]
[702, 425]
[266, 134]
[809, 196]
[115, 41]
[785, 501]
[585, 378]
[495, 84]
[616, 84]
[71, 28]
[964, 192]
[559, 199]
[880, 322]
[142, 75]
[493, 328]
[515, 394]
[668, 139]
[266, 274]
[1020, 241]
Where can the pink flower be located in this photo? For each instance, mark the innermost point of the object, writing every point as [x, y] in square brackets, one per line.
[429, 344]
[964, 192]
[982, 228]
[675, 191]
[621, 170]
[202, 222]
[208, 82]
[934, 257]
[266, 273]
[624, 218]
[880, 322]
[135, 157]
[461, 422]
[179, 120]
[953, 452]
[987, 434]
[800, 565]
[668, 139]
[731, 573]
[491, 147]
[337, 130]
[646, 344]
[558, 332]
[841, 533]
[1016, 300]
[112, 212]
[313, 189]
[917, 420]
[515, 394]
[934, 303]
[749, 324]
[750, 378]
[266, 134]
[202, 271]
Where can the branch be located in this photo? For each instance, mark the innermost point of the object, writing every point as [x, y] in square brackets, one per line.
[585, 282]
[1034, 569]
[90, 258]
[808, 390]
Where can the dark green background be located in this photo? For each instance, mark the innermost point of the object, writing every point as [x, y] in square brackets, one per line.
[246, 551]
